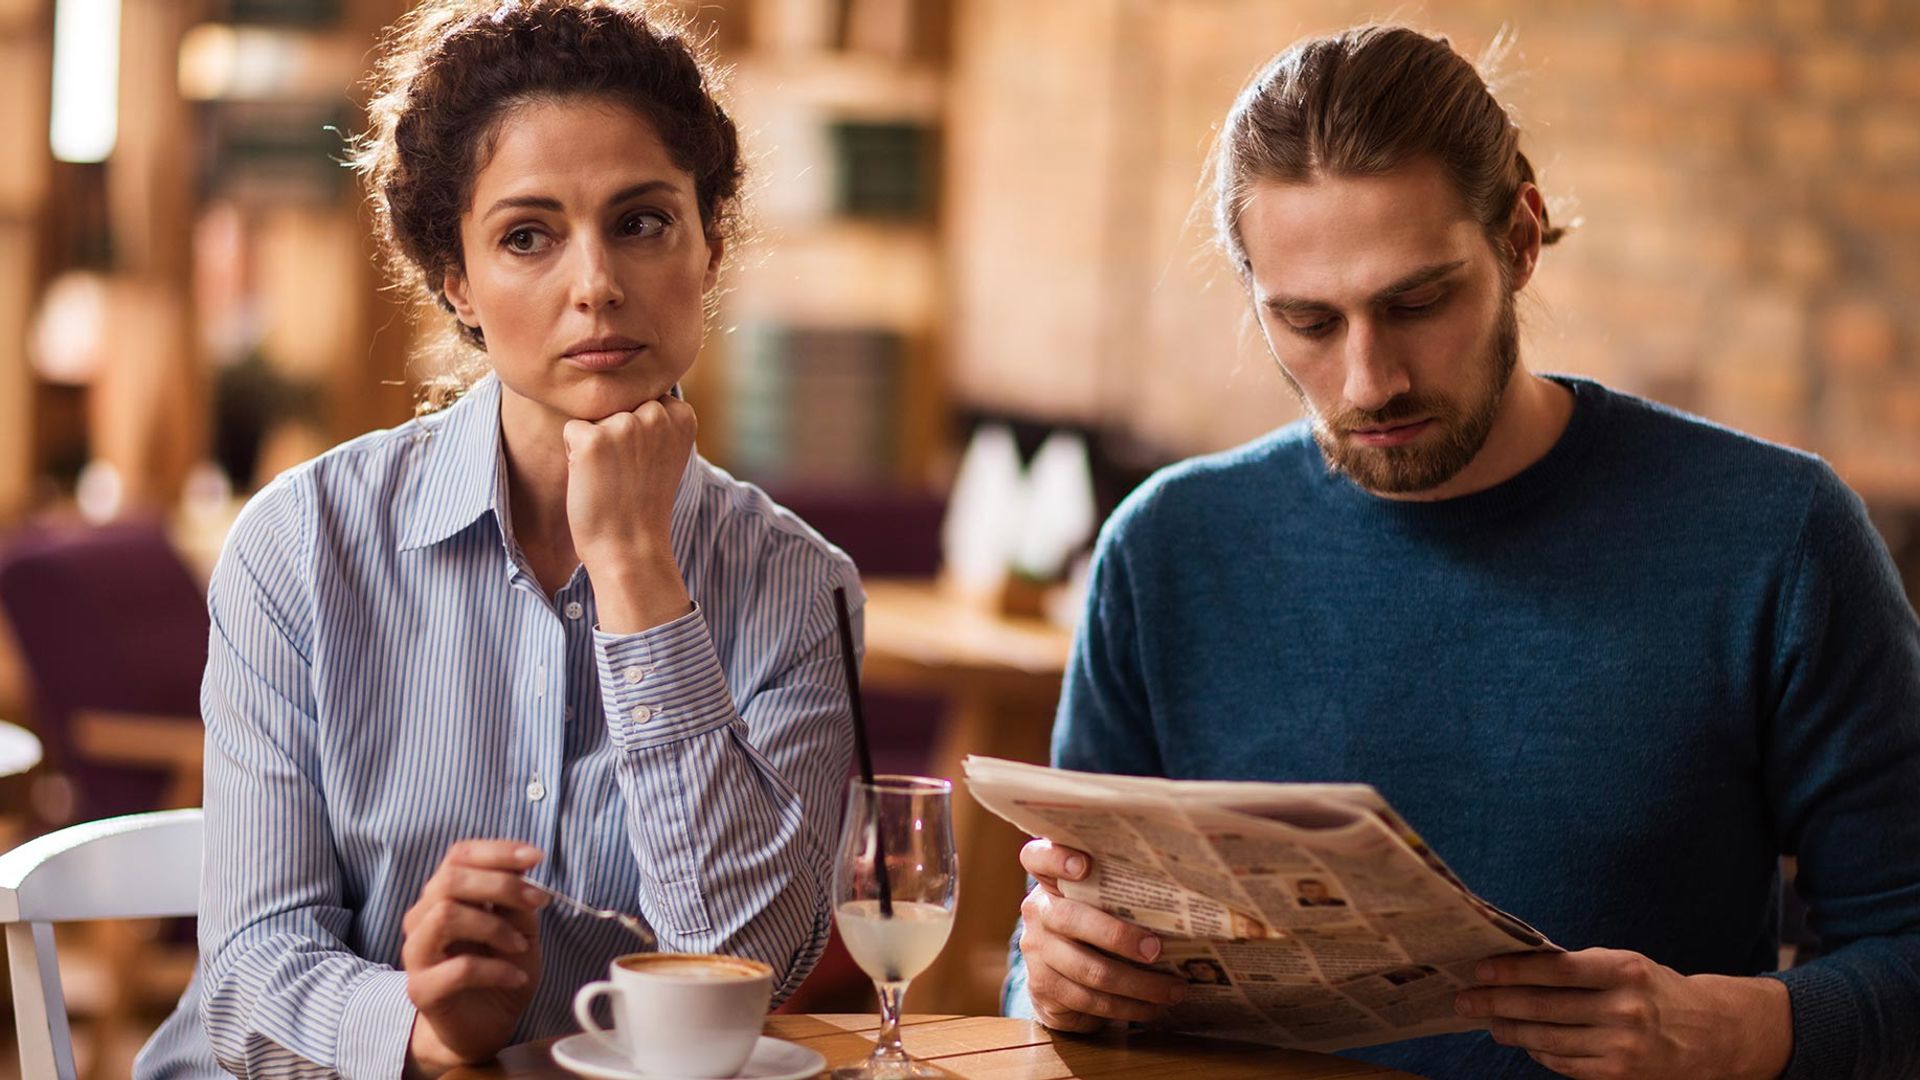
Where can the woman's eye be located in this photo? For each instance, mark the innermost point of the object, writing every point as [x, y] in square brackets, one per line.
[643, 224]
[523, 241]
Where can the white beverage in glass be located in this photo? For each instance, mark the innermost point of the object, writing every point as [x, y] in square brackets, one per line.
[892, 949]
[896, 845]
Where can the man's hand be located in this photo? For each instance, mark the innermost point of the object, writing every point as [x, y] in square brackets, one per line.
[622, 476]
[1603, 1013]
[1079, 969]
[471, 950]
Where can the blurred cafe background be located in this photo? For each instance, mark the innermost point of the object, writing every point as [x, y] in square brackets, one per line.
[976, 308]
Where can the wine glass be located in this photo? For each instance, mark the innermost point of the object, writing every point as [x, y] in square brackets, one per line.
[895, 923]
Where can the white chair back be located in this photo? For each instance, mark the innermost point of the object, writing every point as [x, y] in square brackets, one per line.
[141, 866]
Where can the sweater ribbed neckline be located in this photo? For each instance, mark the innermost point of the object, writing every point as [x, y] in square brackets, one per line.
[1554, 471]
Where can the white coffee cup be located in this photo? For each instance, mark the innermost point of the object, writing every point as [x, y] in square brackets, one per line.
[681, 1014]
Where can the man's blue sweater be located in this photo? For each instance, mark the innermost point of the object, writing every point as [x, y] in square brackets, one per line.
[1609, 692]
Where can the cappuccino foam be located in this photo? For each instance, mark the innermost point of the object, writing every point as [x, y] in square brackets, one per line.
[693, 967]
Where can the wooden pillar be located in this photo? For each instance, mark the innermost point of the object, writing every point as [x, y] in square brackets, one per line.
[156, 414]
[17, 287]
[25, 77]
[373, 386]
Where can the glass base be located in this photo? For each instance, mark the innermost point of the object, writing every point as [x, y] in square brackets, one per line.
[908, 1069]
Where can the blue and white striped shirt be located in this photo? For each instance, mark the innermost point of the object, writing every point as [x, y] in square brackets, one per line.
[386, 677]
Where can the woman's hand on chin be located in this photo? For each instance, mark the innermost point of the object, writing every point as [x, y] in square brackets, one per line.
[622, 475]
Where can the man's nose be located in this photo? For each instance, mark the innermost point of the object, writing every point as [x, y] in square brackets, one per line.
[1375, 372]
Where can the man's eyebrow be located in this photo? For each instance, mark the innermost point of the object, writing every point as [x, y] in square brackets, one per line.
[547, 202]
[1426, 275]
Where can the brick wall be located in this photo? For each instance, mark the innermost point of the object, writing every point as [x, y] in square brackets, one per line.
[1750, 175]
[1747, 173]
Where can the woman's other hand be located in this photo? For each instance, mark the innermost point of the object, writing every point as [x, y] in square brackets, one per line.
[471, 950]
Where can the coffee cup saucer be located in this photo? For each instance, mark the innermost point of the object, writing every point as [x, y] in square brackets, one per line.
[772, 1059]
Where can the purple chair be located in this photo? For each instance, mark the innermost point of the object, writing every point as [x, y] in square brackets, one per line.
[889, 532]
[112, 628]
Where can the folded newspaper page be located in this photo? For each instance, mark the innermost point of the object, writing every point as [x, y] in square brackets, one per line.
[1308, 916]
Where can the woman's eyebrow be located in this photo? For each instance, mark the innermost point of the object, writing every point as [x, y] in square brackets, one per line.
[645, 187]
[548, 202]
[528, 202]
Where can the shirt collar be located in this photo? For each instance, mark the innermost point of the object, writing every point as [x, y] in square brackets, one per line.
[463, 473]
[459, 466]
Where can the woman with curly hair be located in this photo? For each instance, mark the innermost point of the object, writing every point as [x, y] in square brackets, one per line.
[532, 633]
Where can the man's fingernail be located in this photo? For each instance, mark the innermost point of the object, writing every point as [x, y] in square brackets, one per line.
[519, 977]
[1076, 866]
[532, 895]
[1484, 972]
[1177, 994]
[526, 854]
[1463, 1004]
[519, 942]
[1149, 948]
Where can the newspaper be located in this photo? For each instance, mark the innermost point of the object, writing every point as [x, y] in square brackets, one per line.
[1307, 916]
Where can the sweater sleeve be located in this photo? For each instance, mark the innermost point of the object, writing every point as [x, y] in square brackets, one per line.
[1104, 723]
[1843, 775]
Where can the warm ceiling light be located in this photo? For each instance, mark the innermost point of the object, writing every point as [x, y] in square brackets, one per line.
[86, 79]
[258, 63]
[207, 59]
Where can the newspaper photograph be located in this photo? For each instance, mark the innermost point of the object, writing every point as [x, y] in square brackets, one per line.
[1306, 916]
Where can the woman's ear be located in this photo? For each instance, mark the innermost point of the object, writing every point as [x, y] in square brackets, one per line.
[454, 288]
[716, 253]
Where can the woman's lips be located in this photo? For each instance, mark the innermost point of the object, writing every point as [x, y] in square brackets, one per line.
[1390, 436]
[603, 359]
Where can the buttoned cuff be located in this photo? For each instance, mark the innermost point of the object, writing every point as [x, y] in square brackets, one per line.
[376, 1028]
[663, 684]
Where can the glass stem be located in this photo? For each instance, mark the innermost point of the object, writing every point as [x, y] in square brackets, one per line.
[886, 1045]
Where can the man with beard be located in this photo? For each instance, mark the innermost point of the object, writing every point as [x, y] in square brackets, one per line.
[1612, 660]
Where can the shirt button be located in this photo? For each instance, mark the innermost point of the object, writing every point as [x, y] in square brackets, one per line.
[574, 610]
[641, 714]
[635, 674]
[536, 790]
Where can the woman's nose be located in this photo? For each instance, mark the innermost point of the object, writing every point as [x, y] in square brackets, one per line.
[595, 285]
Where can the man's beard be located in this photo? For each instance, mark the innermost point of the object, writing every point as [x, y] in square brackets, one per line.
[1428, 462]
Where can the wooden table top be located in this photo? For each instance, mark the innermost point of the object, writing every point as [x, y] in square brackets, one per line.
[996, 1048]
[922, 636]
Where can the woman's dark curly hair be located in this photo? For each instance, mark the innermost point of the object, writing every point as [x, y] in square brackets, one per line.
[452, 69]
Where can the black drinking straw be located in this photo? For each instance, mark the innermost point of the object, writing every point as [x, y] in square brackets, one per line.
[860, 745]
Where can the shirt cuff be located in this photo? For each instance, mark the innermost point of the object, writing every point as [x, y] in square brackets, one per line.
[1824, 1030]
[662, 685]
[1014, 1000]
[376, 1028]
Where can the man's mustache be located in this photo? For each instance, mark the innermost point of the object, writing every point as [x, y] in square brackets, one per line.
[1397, 410]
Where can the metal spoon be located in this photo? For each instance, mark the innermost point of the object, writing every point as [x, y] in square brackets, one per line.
[635, 925]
